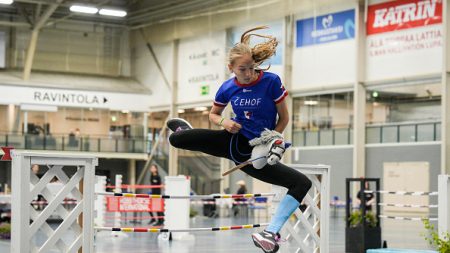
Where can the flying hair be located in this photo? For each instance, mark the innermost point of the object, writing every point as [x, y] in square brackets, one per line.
[260, 52]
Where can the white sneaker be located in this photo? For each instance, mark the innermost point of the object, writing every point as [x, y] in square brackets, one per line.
[178, 124]
[267, 241]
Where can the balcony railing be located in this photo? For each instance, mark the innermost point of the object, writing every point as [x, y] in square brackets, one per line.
[375, 133]
[72, 143]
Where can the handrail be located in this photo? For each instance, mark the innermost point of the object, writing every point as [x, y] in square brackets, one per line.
[73, 143]
[318, 137]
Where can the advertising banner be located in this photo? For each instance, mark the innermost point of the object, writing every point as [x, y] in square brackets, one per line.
[403, 14]
[326, 28]
[325, 44]
[404, 38]
[126, 204]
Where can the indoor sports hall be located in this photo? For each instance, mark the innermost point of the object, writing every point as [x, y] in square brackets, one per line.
[207, 126]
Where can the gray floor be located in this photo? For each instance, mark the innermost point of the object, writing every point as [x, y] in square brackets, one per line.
[399, 234]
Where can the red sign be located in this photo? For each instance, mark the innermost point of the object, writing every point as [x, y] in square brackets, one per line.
[7, 155]
[126, 204]
[403, 14]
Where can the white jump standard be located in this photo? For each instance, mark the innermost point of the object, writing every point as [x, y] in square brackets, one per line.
[81, 186]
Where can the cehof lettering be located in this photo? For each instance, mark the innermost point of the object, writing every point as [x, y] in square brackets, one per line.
[403, 14]
[247, 101]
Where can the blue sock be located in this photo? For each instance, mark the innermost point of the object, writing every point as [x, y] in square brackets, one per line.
[287, 206]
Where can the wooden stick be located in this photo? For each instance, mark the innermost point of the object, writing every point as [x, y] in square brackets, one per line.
[240, 166]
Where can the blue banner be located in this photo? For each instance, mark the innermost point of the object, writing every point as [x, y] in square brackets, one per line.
[327, 28]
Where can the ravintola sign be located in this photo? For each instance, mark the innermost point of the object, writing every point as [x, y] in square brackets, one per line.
[403, 14]
[22, 95]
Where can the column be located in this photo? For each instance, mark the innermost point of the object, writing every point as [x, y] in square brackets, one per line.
[445, 125]
[173, 152]
[289, 28]
[359, 96]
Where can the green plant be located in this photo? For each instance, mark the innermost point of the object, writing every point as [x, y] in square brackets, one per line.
[192, 213]
[356, 219]
[5, 230]
[440, 244]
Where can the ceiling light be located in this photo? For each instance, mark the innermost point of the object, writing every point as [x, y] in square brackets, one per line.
[83, 9]
[6, 1]
[110, 12]
[181, 111]
[311, 102]
[200, 108]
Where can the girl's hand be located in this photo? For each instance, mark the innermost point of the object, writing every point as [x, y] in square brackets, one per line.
[231, 126]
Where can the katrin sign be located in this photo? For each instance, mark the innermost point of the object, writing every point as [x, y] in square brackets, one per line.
[326, 28]
[403, 14]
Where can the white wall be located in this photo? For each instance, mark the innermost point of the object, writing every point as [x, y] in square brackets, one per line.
[201, 63]
[318, 66]
[145, 70]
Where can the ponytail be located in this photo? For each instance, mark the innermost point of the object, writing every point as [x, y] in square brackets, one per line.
[260, 52]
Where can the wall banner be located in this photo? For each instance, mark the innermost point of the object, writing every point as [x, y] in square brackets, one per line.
[399, 33]
[326, 28]
[403, 14]
[201, 67]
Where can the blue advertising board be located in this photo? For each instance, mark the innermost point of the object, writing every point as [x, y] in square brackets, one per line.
[326, 28]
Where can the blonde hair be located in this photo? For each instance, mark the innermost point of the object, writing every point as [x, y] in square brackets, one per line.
[260, 52]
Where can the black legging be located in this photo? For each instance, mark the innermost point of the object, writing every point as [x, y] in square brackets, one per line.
[220, 142]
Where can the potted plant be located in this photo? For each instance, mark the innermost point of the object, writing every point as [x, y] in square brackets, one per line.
[362, 229]
[442, 245]
[360, 237]
[5, 231]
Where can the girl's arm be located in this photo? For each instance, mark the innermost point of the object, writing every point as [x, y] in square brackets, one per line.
[215, 116]
[283, 116]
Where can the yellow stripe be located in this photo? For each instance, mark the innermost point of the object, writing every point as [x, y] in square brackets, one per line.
[226, 196]
[127, 230]
[225, 228]
[128, 195]
[153, 230]
[155, 196]
[248, 195]
[247, 226]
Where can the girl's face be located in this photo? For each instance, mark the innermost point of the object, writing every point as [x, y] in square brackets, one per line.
[244, 69]
[153, 169]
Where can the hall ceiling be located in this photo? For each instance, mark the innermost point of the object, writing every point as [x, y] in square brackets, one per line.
[141, 13]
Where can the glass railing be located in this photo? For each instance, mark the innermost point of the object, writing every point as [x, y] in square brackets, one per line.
[69, 143]
[375, 133]
[324, 137]
[404, 132]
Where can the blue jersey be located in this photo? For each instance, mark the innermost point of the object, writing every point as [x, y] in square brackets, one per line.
[254, 104]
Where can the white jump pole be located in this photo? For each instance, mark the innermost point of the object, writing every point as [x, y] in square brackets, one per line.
[177, 210]
[99, 204]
